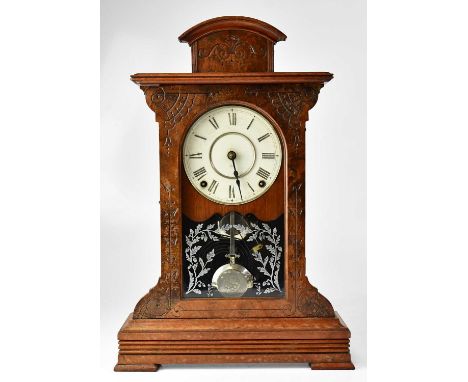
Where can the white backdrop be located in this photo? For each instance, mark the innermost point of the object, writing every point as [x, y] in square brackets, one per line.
[141, 36]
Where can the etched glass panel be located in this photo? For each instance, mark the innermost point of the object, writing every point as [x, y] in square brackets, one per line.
[233, 256]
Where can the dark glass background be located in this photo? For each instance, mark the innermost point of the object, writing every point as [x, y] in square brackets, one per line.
[202, 244]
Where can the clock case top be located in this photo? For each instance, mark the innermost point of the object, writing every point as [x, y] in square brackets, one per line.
[232, 63]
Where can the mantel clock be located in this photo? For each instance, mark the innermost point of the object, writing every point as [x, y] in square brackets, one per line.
[233, 287]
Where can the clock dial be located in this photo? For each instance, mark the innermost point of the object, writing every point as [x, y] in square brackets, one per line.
[232, 154]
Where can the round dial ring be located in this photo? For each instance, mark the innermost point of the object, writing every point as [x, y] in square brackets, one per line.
[232, 154]
[244, 154]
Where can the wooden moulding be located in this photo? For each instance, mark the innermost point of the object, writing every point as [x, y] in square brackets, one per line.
[232, 23]
[156, 79]
[232, 44]
[146, 344]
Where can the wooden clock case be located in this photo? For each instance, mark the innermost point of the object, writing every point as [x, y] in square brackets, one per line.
[232, 63]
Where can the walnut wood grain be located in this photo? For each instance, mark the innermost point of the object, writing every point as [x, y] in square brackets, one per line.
[269, 207]
[136, 367]
[232, 23]
[323, 343]
[229, 51]
[156, 79]
[232, 44]
[176, 108]
[302, 326]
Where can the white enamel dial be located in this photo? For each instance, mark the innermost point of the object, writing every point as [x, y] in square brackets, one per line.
[228, 139]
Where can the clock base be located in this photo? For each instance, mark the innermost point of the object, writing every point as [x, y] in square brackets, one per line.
[145, 344]
[140, 367]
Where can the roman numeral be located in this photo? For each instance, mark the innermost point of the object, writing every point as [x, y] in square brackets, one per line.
[196, 156]
[232, 195]
[250, 187]
[214, 123]
[232, 119]
[213, 186]
[200, 173]
[262, 173]
[198, 136]
[263, 137]
[268, 155]
[250, 124]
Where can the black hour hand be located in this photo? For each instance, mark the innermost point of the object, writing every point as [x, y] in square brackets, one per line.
[232, 156]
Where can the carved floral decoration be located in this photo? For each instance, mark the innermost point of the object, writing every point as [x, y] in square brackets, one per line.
[232, 49]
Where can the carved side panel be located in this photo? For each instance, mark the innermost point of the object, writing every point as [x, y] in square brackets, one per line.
[308, 301]
[158, 301]
[292, 108]
[170, 108]
[232, 51]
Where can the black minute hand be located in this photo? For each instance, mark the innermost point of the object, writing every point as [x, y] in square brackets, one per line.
[232, 156]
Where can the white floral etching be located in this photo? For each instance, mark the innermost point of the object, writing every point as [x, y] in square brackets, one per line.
[270, 264]
[197, 266]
